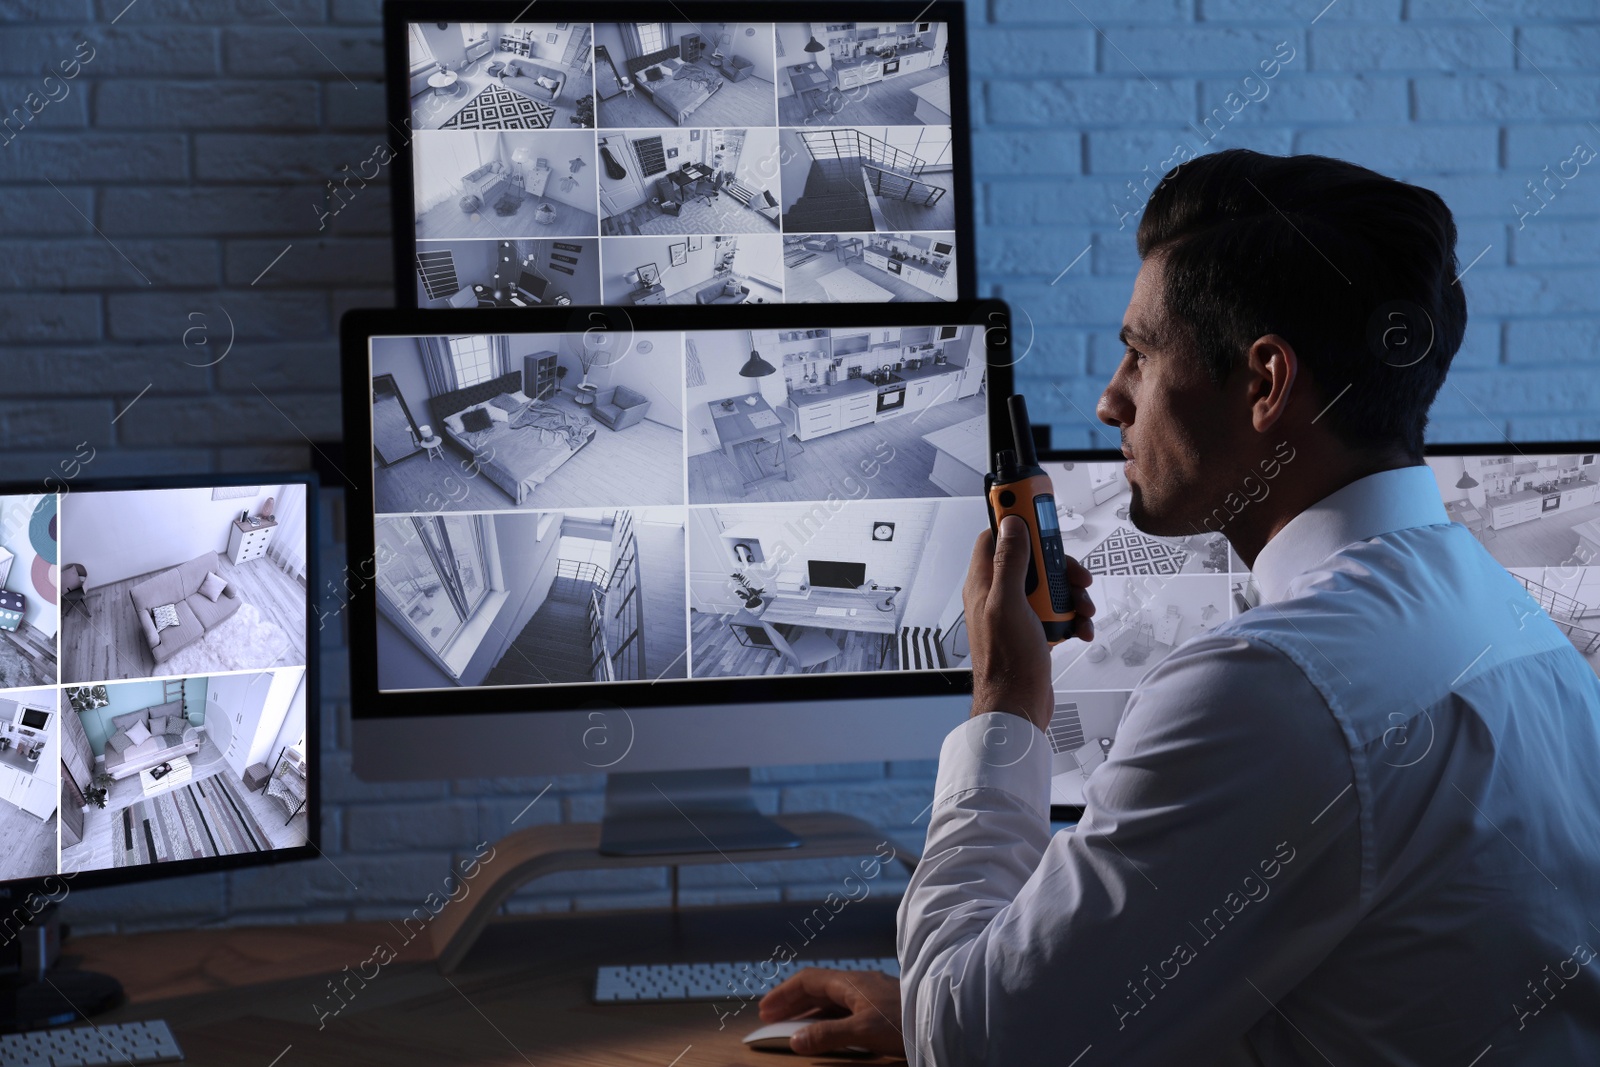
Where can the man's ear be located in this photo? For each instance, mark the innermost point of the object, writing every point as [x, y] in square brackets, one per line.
[1273, 367]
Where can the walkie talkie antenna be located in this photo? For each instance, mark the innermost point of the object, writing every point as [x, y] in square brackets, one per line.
[1022, 431]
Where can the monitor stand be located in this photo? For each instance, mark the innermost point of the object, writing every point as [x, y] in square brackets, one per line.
[59, 996]
[666, 819]
[686, 811]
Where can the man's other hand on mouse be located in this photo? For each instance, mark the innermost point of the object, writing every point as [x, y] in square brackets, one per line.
[871, 998]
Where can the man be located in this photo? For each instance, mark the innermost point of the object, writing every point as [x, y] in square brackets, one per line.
[1358, 823]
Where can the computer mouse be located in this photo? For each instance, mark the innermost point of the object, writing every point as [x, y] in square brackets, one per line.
[774, 1037]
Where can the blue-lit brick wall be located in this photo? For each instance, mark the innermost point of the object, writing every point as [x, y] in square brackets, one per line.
[1475, 100]
[168, 201]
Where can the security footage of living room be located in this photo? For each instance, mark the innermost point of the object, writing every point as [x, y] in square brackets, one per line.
[780, 415]
[512, 76]
[526, 421]
[174, 582]
[182, 768]
[531, 598]
[512, 273]
[834, 586]
[28, 784]
[694, 269]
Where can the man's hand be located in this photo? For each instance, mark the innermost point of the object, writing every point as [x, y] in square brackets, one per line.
[1010, 656]
[871, 998]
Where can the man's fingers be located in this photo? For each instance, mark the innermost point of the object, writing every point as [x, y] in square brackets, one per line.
[1077, 573]
[1011, 553]
[801, 991]
[828, 1034]
[981, 570]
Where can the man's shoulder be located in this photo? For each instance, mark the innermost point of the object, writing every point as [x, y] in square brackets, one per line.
[1395, 622]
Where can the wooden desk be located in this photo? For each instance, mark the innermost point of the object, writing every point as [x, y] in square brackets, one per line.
[244, 996]
[734, 428]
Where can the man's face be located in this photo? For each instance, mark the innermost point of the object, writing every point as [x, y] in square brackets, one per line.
[1170, 415]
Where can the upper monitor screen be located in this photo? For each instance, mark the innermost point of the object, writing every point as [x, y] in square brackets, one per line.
[155, 664]
[667, 506]
[1535, 513]
[680, 162]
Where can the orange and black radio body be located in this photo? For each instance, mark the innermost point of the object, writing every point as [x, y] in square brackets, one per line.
[1019, 486]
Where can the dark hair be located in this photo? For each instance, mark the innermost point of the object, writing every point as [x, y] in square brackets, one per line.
[1355, 270]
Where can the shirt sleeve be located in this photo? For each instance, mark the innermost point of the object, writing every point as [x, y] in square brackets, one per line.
[1217, 862]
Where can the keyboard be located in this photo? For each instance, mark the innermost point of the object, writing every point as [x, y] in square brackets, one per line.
[91, 1046]
[713, 981]
[833, 611]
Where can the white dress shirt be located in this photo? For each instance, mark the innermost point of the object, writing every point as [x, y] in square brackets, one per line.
[1357, 824]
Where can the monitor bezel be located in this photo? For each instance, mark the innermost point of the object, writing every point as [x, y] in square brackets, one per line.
[367, 701]
[1073, 812]
[398, 13]
[53, 888]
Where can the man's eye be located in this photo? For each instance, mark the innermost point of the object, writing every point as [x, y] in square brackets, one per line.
[1135, 353]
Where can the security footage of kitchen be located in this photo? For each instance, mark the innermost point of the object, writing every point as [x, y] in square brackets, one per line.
[778, 415]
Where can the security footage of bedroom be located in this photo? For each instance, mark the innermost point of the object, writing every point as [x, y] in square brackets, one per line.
[553, 163]
[569, 508]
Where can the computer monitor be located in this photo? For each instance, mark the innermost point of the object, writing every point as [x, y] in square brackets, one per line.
[1534, 505]
[532, 283]
[560, 569]
[648, 152]
[160, 710]
[831, 574]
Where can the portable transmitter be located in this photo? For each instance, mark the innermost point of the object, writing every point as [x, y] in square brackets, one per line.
[1019, 486]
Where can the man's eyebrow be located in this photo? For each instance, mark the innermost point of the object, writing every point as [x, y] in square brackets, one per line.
[1130, 334]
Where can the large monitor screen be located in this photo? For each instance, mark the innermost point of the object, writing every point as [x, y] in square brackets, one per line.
[1537, 513]
[657, 153]
[691, 498]
[158, 709]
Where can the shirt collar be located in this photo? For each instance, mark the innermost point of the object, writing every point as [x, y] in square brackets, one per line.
[1368, 507]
